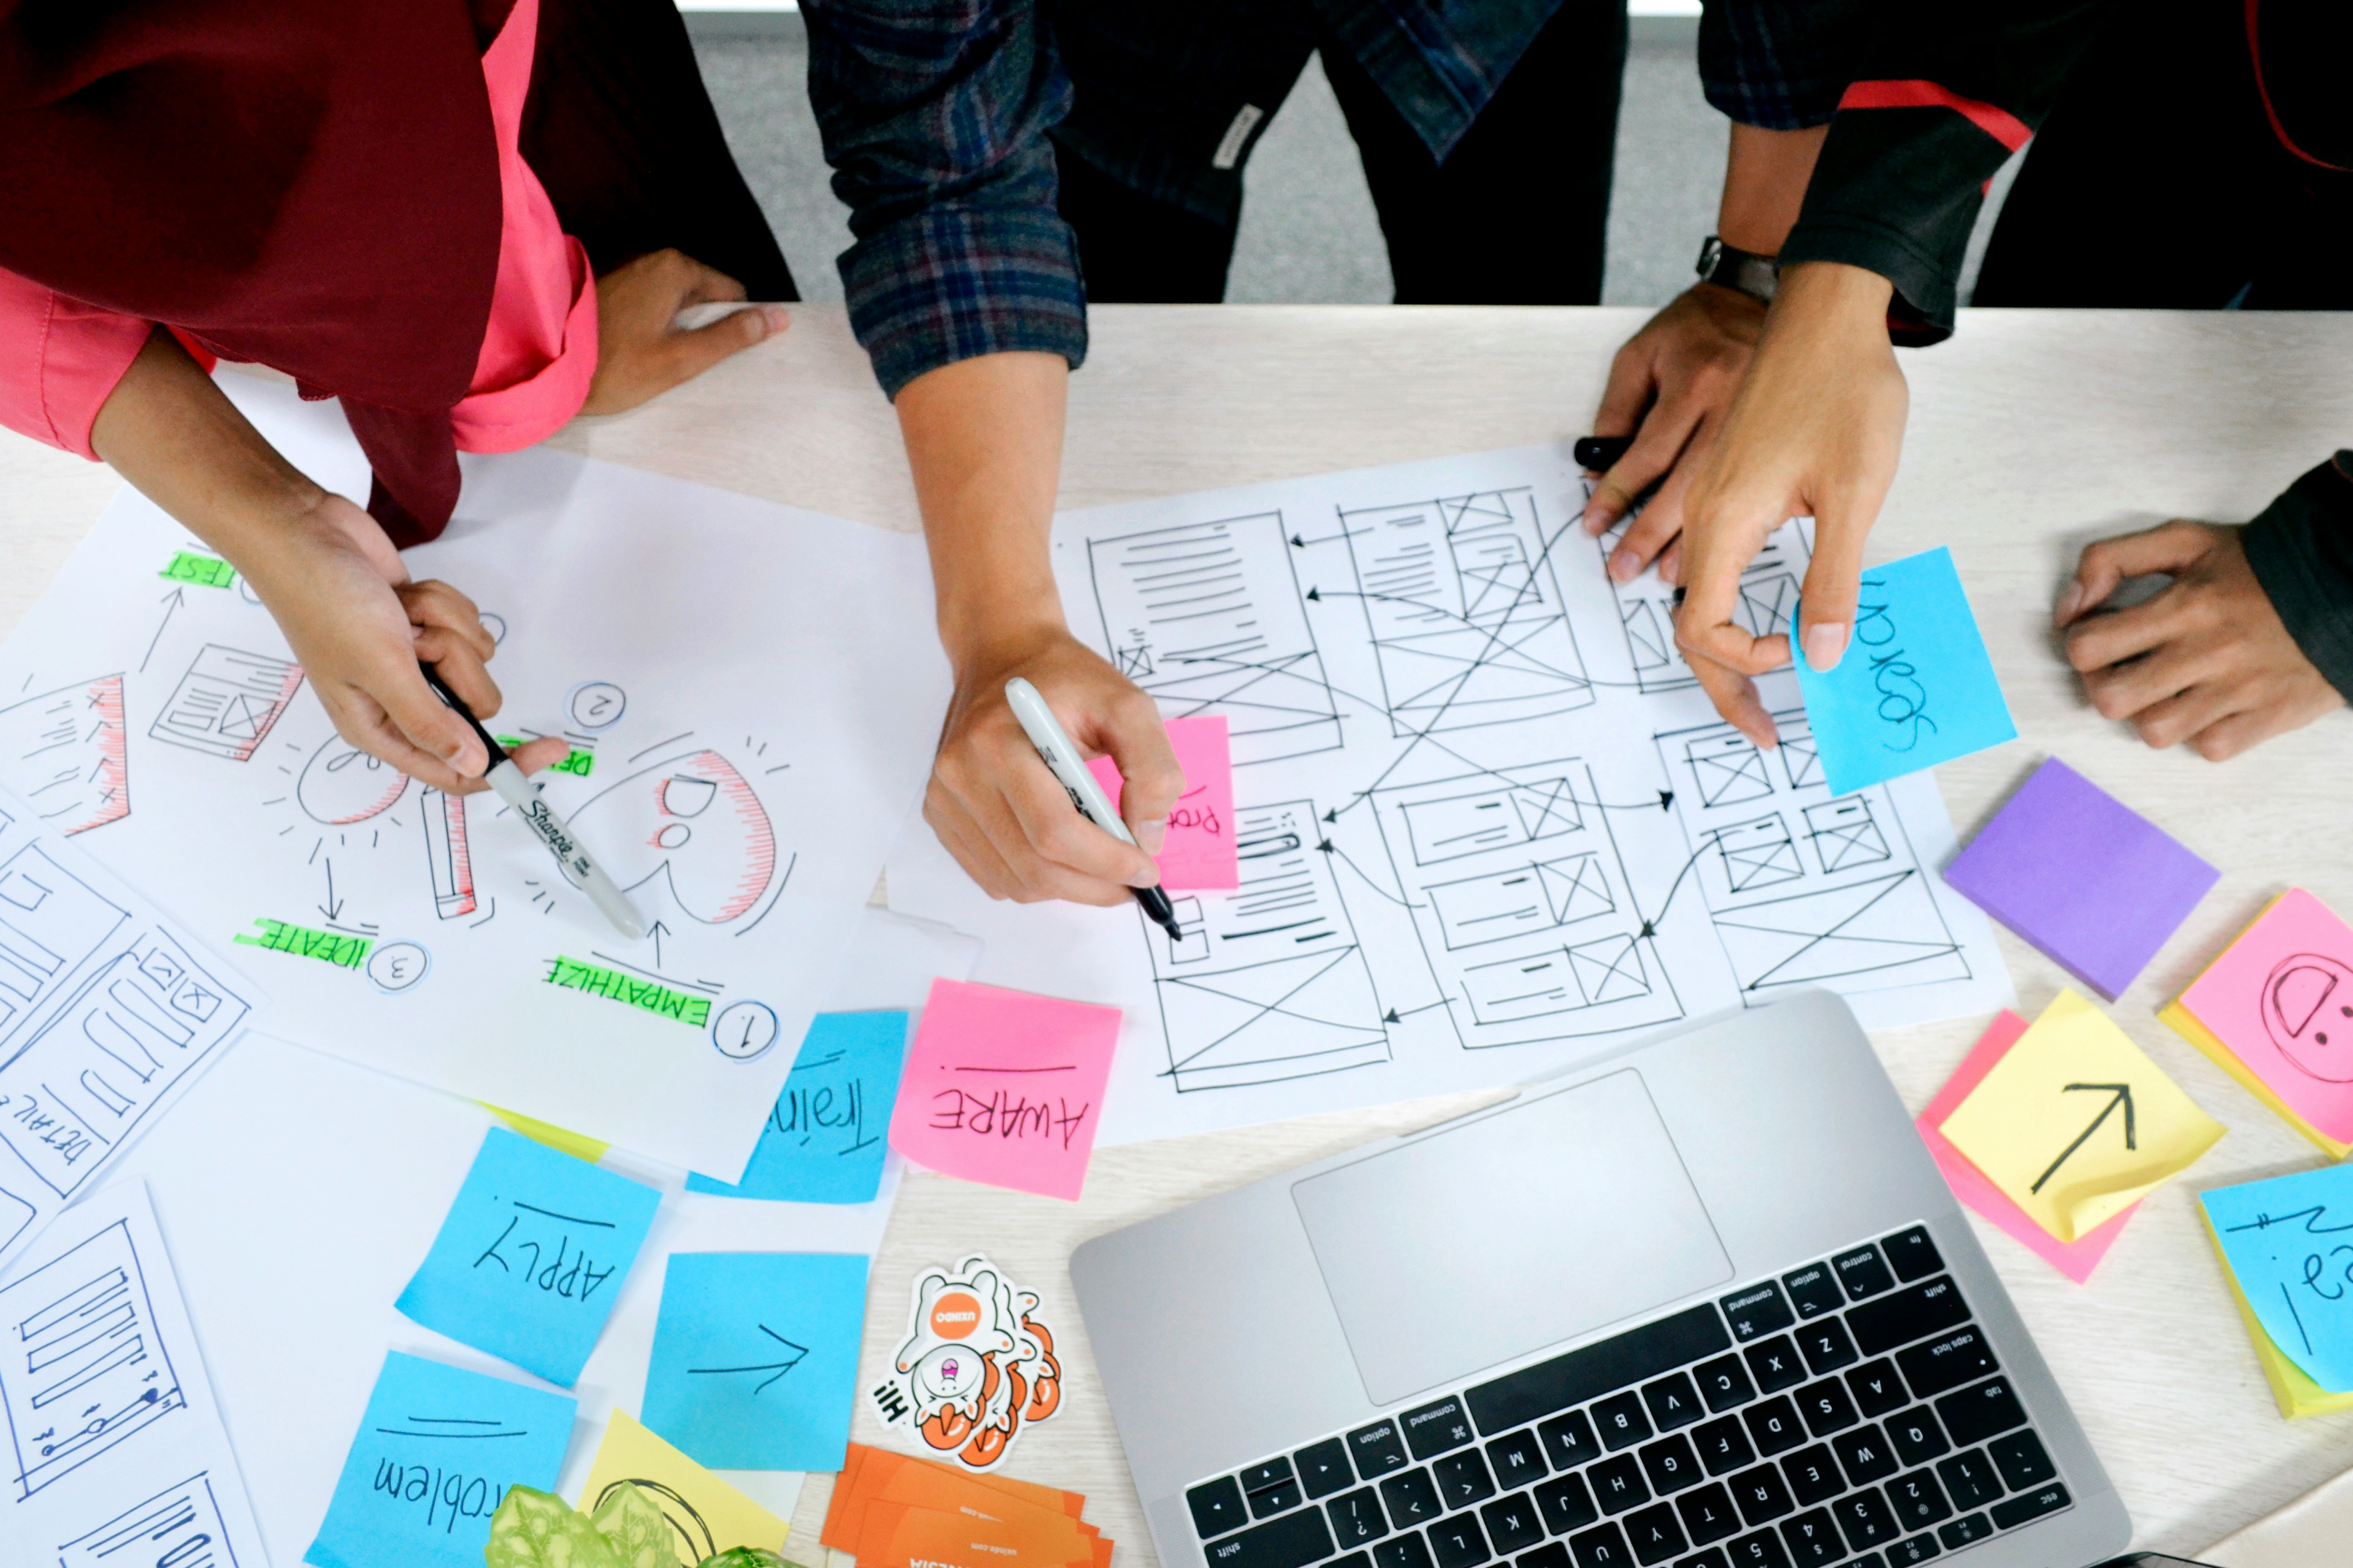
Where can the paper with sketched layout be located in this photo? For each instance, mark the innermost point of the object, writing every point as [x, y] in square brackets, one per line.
[751, 693]
[113, 1435]
[1452, 737]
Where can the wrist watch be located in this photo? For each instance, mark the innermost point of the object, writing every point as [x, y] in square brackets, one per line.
[1743, 272]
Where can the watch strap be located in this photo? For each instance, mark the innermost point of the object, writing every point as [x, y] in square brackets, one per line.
[1745, 271]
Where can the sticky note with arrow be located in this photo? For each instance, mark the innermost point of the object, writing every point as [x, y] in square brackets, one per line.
[2076, 1123]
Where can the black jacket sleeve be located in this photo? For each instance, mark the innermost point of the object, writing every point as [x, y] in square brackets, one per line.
[2301, 547]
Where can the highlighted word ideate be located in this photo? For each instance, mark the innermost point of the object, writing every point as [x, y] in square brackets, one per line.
[344, 952]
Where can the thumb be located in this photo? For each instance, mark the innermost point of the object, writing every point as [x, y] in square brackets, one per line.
[693, 353]
[2169, 548]
[1826, 611]
[1151, 779]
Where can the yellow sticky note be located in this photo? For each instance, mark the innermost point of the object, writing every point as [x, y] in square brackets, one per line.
[706, 1515]
[2296, 1395]
[2076, 1123]
[567, 1142]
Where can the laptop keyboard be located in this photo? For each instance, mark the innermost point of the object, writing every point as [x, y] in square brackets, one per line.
[1846, 1415]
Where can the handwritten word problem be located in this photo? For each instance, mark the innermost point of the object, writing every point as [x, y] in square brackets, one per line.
[615, 986]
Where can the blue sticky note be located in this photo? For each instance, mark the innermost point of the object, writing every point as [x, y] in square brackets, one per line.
[435, 1451]
[755, 1358]
[2290, 1242]
[1915, 687]
[825, 1139]
[531, 1259]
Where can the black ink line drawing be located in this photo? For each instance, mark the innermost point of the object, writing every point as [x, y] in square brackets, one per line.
[68, 753]
[51, 923]
[1860, 913]
[1646, 607]
[695, 823]
[1269, 984]
[342, 785]
[449, 858]
[83, 1367]
[2119, 1094]
[179, 1526]
[1466, 617]
[133, 1028]
[415, 1422]
[2297, 998]
[690, 1531]
[798, 1353]
[226, 703]
[1208, 617]
[596, 704]
[1522, 905]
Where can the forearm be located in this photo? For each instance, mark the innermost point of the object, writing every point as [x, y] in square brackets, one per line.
[1765, 175]
[179, 440]
[985, 440]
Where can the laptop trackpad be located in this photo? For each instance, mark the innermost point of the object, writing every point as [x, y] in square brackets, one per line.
[1507, 1235]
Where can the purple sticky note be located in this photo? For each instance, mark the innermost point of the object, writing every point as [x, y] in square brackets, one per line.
[2091, 882]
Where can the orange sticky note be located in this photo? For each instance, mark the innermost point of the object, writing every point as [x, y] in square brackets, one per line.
[1199, 855]
[1005, 1087]
[2276, 1011]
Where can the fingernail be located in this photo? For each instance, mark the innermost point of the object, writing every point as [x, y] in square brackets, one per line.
[1668, 567]
[777, 317]
[2070, 602]
[1624, 564]
[1151, 835]
[1825, 642]
[1593, 520]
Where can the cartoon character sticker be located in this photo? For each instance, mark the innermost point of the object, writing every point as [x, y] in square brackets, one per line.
[976, 1366]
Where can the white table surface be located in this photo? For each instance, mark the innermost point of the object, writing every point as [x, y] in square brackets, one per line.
[2032, 433]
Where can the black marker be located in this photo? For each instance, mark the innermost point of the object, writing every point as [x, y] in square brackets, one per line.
[1061, 758]
[1599, 454]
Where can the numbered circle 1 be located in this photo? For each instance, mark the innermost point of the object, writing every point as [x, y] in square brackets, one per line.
[395, 966]
[596, 704]
[744, 1030]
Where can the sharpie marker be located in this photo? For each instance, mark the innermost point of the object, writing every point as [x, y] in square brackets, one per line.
[518, 792]
[1057, 752]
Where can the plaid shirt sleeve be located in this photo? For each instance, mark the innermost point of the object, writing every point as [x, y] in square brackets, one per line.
[1780, 65]
[934, 115]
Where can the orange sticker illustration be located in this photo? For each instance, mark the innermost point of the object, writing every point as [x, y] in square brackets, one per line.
[976, 1365]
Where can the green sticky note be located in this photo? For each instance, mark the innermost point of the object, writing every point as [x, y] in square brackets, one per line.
[1915, 687]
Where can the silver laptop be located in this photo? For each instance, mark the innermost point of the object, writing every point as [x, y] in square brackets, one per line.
[1706, 1303]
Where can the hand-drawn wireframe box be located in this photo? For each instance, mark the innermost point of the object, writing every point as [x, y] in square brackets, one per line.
[1465, 612]
[1209, 619]
[226, 703]
[1522, 907]
[1269, 984]
[1803, 890]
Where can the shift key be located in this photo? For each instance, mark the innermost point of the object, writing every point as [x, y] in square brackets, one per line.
[1293, 1540]
[1913, 1313]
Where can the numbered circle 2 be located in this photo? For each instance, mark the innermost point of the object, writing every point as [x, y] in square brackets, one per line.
[744, 1030]
[394, 966]
[596, 704]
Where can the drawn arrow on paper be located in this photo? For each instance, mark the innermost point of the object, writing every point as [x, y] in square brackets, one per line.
[657, 931]
[1297, 542]
[2119, 1094]
[333, 906]
[1394, 1016]
[171, 602]
[1328, 847]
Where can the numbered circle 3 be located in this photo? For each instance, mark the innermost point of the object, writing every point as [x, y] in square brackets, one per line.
[744, 1030]
[395, 966]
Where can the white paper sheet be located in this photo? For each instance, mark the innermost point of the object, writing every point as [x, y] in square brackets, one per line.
[755, 692]
[1451, 738]
[116, 1452]
[301, 1191]
[107, 1012]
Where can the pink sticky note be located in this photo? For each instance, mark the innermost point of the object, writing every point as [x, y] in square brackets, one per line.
[1005, 1087]
[2077, 1258]
[2282, 998]
[1200, 854]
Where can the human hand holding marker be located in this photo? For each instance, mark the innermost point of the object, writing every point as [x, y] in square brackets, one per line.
[1069, 770]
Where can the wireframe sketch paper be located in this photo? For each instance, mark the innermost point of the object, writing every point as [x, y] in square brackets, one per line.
[436, 1450]
[2289, 1241]
[1005, 1088]
[673, 635]
[1487, 824]
[2275, 1010]
[1198, 855]
[114, 1444]
[107, 1009]
[532, 1257]
[1915, 687]
[828, 1133]
[2074, 1123]
[754, 1359]
[2093, 885]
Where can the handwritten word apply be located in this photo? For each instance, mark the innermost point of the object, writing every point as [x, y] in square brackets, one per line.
[1914, 688]
[528, 1264]
[1002, 1086]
